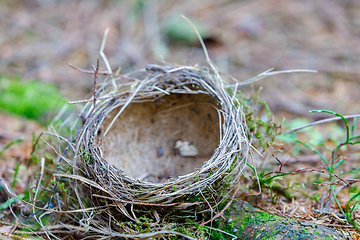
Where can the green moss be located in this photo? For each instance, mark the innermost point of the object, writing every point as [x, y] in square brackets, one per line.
[89, 158]
[31, 99]
[263, 130]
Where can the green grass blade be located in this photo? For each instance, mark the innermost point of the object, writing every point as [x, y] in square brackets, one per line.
[16, 141]
[11, 201]
[313, 150]
[15, 175]
[339, 115]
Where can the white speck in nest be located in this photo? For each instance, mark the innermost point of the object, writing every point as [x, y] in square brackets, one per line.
[186, 149]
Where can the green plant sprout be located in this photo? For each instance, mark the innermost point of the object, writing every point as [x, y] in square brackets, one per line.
[331, 166]
[7, 146]
[21, 196]
[11, 201]
[13, 142]
[349, 140]
[15, 175]
[335, 162]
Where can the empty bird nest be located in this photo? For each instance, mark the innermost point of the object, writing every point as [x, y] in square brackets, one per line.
[159, 143]
[164, 135]
[154, 148]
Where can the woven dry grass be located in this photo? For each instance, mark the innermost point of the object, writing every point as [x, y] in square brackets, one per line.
[131, 160]
[157, 148]
[127, 145]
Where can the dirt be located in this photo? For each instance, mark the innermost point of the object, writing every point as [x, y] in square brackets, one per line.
[143, 140]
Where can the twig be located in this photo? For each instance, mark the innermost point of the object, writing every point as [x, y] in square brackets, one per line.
[95, 81]
[106, 73]
[349, 181]
[278, 169]
[36, 142]
[92, 110]
[101, 98]
[12, 236]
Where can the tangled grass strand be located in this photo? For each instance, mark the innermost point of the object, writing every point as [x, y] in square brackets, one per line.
[228, 158]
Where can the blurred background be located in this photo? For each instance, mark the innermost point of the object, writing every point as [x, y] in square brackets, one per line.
[244, 38]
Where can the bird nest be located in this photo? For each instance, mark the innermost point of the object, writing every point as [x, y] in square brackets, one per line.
[165, 137]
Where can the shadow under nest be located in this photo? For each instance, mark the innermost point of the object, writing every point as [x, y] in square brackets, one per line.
[159, 146]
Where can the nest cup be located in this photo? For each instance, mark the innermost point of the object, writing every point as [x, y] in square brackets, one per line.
[162, 139]
[159, 136]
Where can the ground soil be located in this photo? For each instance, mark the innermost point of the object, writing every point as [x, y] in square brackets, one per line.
[244, 38]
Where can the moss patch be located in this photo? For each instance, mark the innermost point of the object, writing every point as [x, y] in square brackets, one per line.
[31, 99]
[247, 222]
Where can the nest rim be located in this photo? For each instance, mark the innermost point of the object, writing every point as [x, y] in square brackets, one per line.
[153, 82]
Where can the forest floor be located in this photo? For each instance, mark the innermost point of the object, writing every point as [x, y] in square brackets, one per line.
[244, 38]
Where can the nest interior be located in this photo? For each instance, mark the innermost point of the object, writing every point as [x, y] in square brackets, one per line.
[144, 140]
[162, 138]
